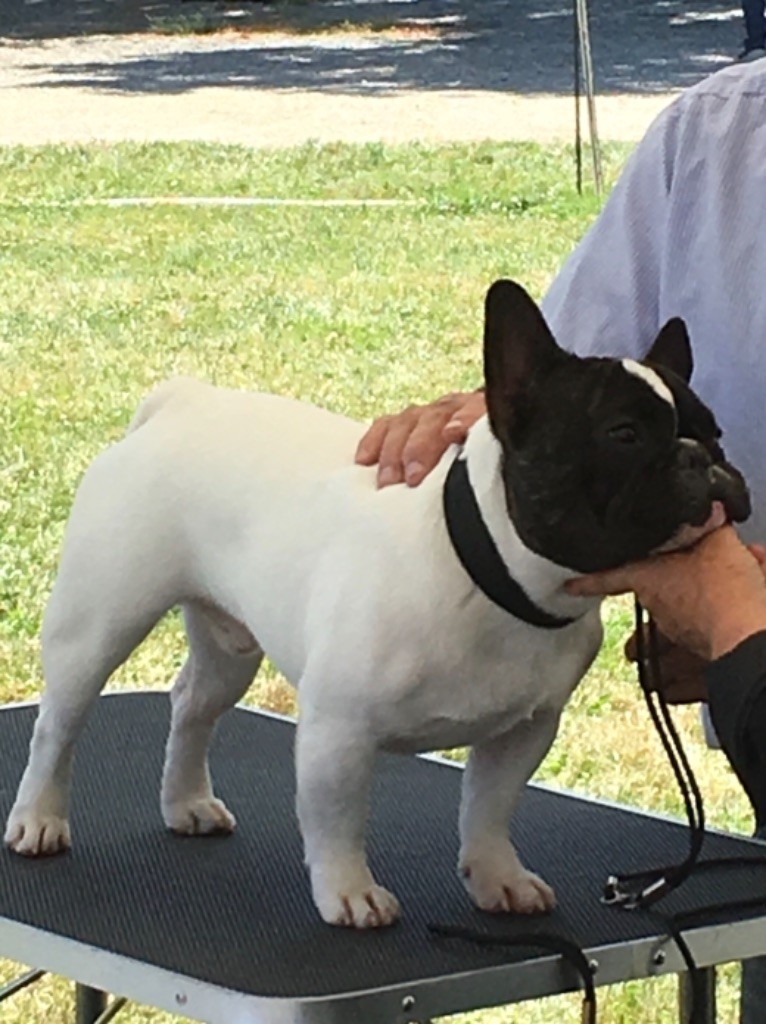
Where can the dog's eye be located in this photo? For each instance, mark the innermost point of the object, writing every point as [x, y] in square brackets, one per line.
[623, 433]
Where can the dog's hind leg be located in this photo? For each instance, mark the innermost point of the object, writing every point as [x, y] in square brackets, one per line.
[223, 659]
[105, 600]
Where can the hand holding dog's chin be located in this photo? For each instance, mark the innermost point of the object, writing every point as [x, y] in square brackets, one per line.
[708, 598]
[407, 445]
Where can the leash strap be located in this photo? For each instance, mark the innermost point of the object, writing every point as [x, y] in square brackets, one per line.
[644, 889]
[630, 891]
[549, 941]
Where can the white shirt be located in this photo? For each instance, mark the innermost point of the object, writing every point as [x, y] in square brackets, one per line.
[684, 234]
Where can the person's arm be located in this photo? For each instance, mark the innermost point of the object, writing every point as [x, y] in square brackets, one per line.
[711, 599]
[736, 684]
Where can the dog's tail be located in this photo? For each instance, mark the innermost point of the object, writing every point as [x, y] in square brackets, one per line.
[157, 399]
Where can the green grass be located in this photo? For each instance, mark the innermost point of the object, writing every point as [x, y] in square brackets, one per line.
[491, 178]
[361, 310]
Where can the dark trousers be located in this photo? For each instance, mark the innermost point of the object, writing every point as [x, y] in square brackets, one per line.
[755, 23]
[753, 1007]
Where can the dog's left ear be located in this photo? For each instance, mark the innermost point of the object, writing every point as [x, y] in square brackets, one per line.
[519, 350]
[672, 349]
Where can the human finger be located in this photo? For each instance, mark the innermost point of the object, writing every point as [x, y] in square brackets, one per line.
[368, 450]
[603, 584]
[439, 425]
[471, 408]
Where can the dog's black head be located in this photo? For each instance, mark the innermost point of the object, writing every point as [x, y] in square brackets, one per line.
[604, 460]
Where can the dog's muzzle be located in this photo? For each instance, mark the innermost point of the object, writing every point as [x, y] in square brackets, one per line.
[724, 482]
[728, 487]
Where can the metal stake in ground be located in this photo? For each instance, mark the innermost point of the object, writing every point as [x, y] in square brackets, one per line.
[583, 70]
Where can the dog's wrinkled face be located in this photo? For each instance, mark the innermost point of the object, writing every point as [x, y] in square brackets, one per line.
[604, 460]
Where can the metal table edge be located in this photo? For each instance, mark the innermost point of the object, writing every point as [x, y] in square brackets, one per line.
[403, 1002]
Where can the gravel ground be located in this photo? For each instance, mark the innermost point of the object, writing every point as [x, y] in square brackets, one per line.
[351, 70]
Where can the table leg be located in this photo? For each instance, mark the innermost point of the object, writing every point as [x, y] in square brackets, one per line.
[90, 1003]
[706, 1002]
[19, 983]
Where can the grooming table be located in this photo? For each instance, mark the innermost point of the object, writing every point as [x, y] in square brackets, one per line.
[222, 929]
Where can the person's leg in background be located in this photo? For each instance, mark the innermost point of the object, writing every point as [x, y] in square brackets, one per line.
[753, 1004]
[755, 28]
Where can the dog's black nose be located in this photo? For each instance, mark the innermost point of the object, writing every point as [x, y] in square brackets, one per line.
[727, 485]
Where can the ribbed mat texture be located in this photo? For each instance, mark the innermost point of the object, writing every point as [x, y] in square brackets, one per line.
[236, 911]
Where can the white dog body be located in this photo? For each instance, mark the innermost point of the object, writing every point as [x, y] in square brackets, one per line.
[409, 619]
[247, 510]
[264, 516]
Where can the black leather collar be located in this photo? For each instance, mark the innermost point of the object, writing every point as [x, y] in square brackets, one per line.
[479, 556]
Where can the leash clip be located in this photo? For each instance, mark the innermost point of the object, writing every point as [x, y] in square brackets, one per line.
[615, 896]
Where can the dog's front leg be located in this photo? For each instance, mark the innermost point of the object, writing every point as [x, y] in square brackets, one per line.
[334, 767]
[496, 774]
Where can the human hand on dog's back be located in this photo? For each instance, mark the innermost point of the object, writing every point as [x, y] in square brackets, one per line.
[707, 599]
[407, 445]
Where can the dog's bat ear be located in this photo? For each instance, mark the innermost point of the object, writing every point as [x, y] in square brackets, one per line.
[519, 349]
[672, 349]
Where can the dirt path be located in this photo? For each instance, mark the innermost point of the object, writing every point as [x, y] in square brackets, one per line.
[431, 70]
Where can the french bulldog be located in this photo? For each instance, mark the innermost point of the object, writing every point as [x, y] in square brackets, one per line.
[409, 619]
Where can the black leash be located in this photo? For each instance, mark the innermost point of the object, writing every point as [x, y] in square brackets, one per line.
[638, 890]
[549, 941]
[644, 889]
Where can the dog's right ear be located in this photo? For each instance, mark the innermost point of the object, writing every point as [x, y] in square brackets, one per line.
[672, 349]
[519, 350]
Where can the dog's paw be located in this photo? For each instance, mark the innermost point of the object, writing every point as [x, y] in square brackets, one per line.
[370, 906]
[507, 887]
[37, 835]
[199, 817]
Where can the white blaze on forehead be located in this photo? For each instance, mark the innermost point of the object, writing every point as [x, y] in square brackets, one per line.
[655, 382]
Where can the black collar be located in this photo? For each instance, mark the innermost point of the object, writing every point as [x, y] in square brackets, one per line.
[479, 556]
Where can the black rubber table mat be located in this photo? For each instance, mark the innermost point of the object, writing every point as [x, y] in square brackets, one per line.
[236, 911]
